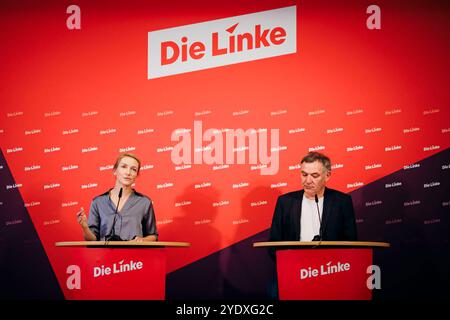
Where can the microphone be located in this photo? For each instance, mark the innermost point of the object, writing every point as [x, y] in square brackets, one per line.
[112, 235]
[318, 237]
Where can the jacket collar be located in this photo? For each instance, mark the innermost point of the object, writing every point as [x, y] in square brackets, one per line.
[326, 211]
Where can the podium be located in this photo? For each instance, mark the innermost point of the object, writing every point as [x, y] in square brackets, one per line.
[324, 270]
[113, 270]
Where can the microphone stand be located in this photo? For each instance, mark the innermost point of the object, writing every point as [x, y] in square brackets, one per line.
[112, 235]
[319, 236]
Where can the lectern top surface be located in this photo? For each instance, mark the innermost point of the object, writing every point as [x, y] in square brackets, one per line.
[122, 244]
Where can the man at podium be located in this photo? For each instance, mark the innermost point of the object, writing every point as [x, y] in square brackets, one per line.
[316, 212]
[121, 213]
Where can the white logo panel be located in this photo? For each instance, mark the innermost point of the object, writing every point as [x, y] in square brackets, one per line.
[222, 42]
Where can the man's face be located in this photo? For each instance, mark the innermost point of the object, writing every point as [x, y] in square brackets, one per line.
[314, 178]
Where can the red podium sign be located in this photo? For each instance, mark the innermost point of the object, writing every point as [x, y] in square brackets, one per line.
[115, 271]
[323, 270]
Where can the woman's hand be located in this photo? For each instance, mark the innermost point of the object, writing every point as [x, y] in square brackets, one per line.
[144, 239]
[83, 222]
[81, 218]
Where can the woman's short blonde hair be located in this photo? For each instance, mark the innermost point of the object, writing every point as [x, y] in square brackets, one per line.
[129, 155]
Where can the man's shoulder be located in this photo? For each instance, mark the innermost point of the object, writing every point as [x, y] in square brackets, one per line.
[293, 195]
[336, 193]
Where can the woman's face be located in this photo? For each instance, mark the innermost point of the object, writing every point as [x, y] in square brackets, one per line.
[127, 171]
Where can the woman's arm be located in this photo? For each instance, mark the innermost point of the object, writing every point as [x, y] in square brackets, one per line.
[88, 235]
[149, 230]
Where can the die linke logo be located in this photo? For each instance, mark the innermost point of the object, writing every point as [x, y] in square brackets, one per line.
[324, 270]
[222, 42]
[119, 267]
[73, 281]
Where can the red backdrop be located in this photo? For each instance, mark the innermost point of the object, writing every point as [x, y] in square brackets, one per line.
[71, 100]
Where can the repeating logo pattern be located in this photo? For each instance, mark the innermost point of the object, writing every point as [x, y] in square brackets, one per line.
[61, 132]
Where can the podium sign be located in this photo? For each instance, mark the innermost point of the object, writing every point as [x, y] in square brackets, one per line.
[113, 271]
[94, 273]
[323, 270]
[324, 274]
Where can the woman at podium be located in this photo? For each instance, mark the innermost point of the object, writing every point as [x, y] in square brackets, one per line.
[121, 213]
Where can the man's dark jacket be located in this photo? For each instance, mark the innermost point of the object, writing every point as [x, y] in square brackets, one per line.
[338, 217]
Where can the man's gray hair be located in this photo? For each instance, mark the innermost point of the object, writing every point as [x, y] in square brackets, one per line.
[317, 156]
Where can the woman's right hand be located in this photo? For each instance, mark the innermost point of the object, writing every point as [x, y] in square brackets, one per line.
[81, 218]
